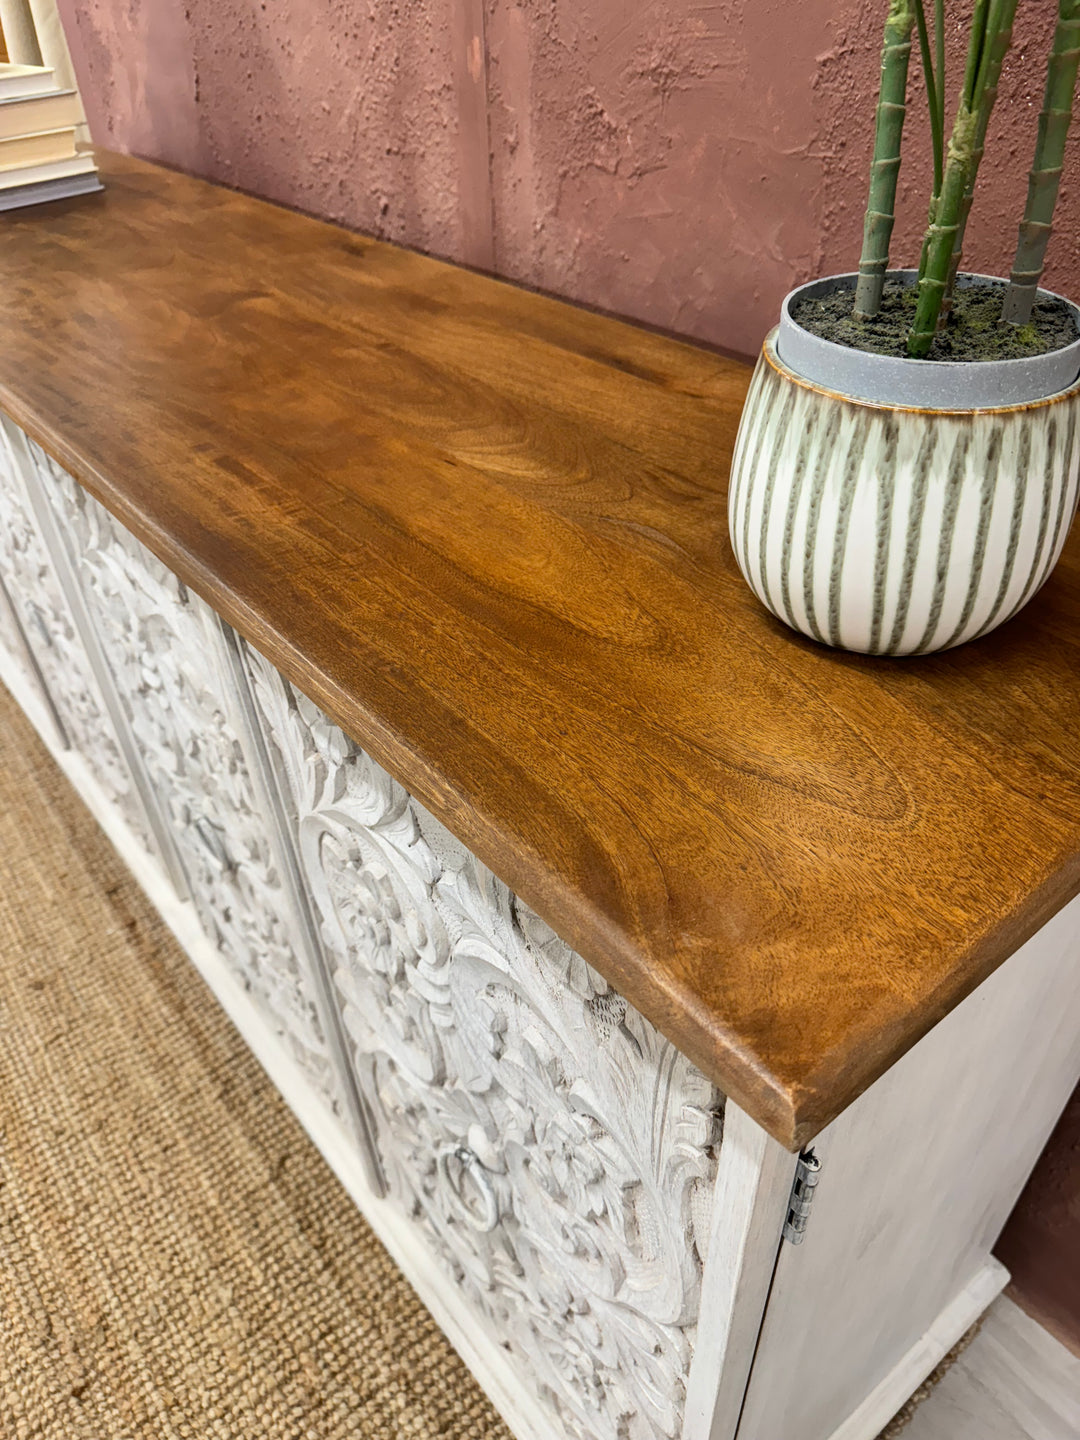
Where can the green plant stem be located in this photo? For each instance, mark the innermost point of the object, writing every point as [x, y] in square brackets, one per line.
[939, 64]
[881, 204]
[931, 221]
[997, 47]
[941, 234]
[1046, 168]
[936, 101]
[976, 42]
[988, 43]
[937, 117]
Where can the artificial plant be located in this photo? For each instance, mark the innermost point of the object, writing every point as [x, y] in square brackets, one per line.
[956, 164]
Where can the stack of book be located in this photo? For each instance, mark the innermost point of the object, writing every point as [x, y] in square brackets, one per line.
[38, 158]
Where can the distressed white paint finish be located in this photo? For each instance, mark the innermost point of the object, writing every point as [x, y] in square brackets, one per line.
[11, 637]
[753, 1188]
[873, 1413]
[558, 1153]
[163, 649]
[13, 644]
[51, 634]
[1013, 1382]
[918, 1177]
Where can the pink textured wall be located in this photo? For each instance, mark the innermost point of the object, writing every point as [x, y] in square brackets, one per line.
[678, 161]
[1041, 1243]
[346, 110]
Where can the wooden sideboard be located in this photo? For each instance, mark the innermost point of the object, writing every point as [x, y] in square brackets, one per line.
[593, 924]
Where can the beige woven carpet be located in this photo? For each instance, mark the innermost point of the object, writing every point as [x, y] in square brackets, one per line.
[176, 1260]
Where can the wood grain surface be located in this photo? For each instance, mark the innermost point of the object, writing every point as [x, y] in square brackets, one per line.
[486, 531]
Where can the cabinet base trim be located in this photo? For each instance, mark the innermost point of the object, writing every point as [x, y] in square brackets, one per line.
[904, 1379]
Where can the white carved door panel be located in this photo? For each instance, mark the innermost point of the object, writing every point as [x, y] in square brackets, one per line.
[48, 628]
[12, 641]
[167, 657]
[558, 1154]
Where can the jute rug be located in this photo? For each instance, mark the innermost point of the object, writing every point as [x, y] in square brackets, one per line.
[176, 1260]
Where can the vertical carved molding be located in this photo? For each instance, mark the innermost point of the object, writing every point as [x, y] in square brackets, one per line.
[11, 636]
[557, 1152]
[275, 802]
[163, 648]
[17, 651]
[53, 637]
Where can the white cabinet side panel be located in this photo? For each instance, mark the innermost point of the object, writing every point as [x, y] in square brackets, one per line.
[918, 1177]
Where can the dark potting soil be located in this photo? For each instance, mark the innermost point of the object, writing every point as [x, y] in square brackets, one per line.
[972, 332]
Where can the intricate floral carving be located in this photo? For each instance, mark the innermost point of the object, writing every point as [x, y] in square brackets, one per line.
[37, 596]
[11, 641]
[166, 655]
[558, 1152]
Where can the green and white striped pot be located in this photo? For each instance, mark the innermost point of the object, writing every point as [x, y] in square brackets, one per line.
[907, 525]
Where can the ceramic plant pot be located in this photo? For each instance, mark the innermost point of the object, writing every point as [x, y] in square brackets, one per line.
[894, 506]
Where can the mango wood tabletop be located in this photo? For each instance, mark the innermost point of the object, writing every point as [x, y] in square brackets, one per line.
[486, 531]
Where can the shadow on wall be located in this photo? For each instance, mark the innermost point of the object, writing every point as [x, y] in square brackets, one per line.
[1041, 1242]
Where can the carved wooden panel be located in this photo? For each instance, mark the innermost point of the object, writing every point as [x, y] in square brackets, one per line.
[11, 640]
[168, 658]
[49, 630]
[557, 1151]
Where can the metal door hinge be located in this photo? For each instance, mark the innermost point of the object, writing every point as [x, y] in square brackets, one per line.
[807, 1174]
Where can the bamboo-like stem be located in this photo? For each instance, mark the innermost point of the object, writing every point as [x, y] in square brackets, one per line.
[997, 47]
[1046, 168]
[977, 38]
[939, 62]
[976, 41]
[931, 221]
[986, 50]
[937, 118]
[936, 100]
[881, 204]
[941, 234]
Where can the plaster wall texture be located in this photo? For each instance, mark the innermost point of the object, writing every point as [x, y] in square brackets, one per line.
[344, 110]
[1041, 1243]
[682, 162]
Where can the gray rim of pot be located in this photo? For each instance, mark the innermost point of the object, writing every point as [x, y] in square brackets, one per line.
[925, 384]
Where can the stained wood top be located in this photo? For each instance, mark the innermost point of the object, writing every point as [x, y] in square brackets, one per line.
[486, 531]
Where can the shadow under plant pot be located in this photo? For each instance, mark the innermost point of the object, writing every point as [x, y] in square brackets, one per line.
[896, 506]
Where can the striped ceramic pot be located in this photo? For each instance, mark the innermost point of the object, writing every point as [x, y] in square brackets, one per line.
[891, 528]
